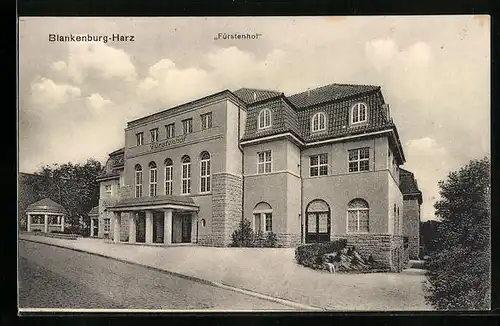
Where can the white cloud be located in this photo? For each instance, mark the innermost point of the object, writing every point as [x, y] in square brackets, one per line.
[47, 94]
[431, 162]
[87, 57]
[381, 52]
[58, 66]
[171, 85]
[96, 101]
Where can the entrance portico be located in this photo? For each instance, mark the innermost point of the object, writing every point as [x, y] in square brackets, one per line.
[157, 220]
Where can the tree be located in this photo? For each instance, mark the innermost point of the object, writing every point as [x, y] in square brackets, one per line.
[458, 276]
[74, 186]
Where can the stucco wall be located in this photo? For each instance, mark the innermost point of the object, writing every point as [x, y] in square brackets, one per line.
[338, 154]
[233, 154]
[339, 190]
[411, 226]
[395, 198]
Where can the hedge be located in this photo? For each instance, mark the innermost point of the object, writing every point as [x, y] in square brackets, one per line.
[310, 255]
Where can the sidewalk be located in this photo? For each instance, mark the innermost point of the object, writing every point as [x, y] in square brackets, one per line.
[270, 271]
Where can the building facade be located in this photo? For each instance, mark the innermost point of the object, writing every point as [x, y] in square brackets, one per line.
[309, 167]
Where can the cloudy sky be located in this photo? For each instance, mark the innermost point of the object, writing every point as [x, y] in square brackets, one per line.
[75, 98]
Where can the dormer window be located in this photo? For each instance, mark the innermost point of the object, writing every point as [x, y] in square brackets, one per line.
[264, 118]
[318, 122]
[359, 113]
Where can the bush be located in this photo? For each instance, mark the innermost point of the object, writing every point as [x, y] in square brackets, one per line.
[311, 255]
[244, 236]
[36, 230]
[271, 240]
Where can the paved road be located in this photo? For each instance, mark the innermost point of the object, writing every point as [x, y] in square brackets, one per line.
[52, 277]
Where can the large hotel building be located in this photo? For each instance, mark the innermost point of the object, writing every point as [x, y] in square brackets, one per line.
[309, 167]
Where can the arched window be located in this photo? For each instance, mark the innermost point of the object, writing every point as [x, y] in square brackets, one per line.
[264, 118]
[357, 216]
[318, 221]
[262, 218]
[205, 172]
[153, 179]
[138, 180]
[203, 222]
[358, 113]
[318, 122]
[186, 175]
[169, 169]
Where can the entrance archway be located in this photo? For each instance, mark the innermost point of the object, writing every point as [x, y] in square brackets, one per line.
[318, 221]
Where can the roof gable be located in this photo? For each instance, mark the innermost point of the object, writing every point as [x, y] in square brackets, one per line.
[46, 204]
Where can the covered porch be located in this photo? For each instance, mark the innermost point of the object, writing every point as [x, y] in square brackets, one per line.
[163, 220]
[45, 216]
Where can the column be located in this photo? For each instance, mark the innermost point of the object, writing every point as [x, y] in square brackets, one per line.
[29, 223]
[149, 227]
[116, 227]
[91, 227]
[132, 227]
[194, 226]
[62, 223]
[263, 222]
[46, 224]
[167, 229]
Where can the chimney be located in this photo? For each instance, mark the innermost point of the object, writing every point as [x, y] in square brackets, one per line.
[254, 96]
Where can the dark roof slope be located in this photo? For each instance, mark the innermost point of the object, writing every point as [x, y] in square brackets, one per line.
[114, 165]
[329, 93]
[46, 205]
[251, 95]
[408, 184]
[94, 211]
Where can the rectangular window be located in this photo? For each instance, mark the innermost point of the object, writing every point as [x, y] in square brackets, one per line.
[153, 181]
[108, 190]
[357, 221]
[318, 165]
[257, 222]
[186, 178]
[154, 135]
[138, 184]
[264, 162]
[139, 137]
[359, 159]
[170, 128]
[269, 221]
[106, 225]
[205, 176]
[206, 120]
[168, 180]
[187, 126]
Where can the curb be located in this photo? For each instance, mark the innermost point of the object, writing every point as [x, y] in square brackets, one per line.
[191, 278]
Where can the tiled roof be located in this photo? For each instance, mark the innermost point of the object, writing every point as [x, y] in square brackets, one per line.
[252, 95]
[408, 184]
[94, 211]
[46, 205]
[328, 93]
[158, 200]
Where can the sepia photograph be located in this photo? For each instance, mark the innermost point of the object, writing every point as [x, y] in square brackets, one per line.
[260, 164]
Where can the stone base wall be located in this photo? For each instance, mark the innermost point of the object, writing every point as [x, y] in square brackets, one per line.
[413, 247]
[205, 240]
[377, 245]
[287, 240]
[386, 249]
[227, 191]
